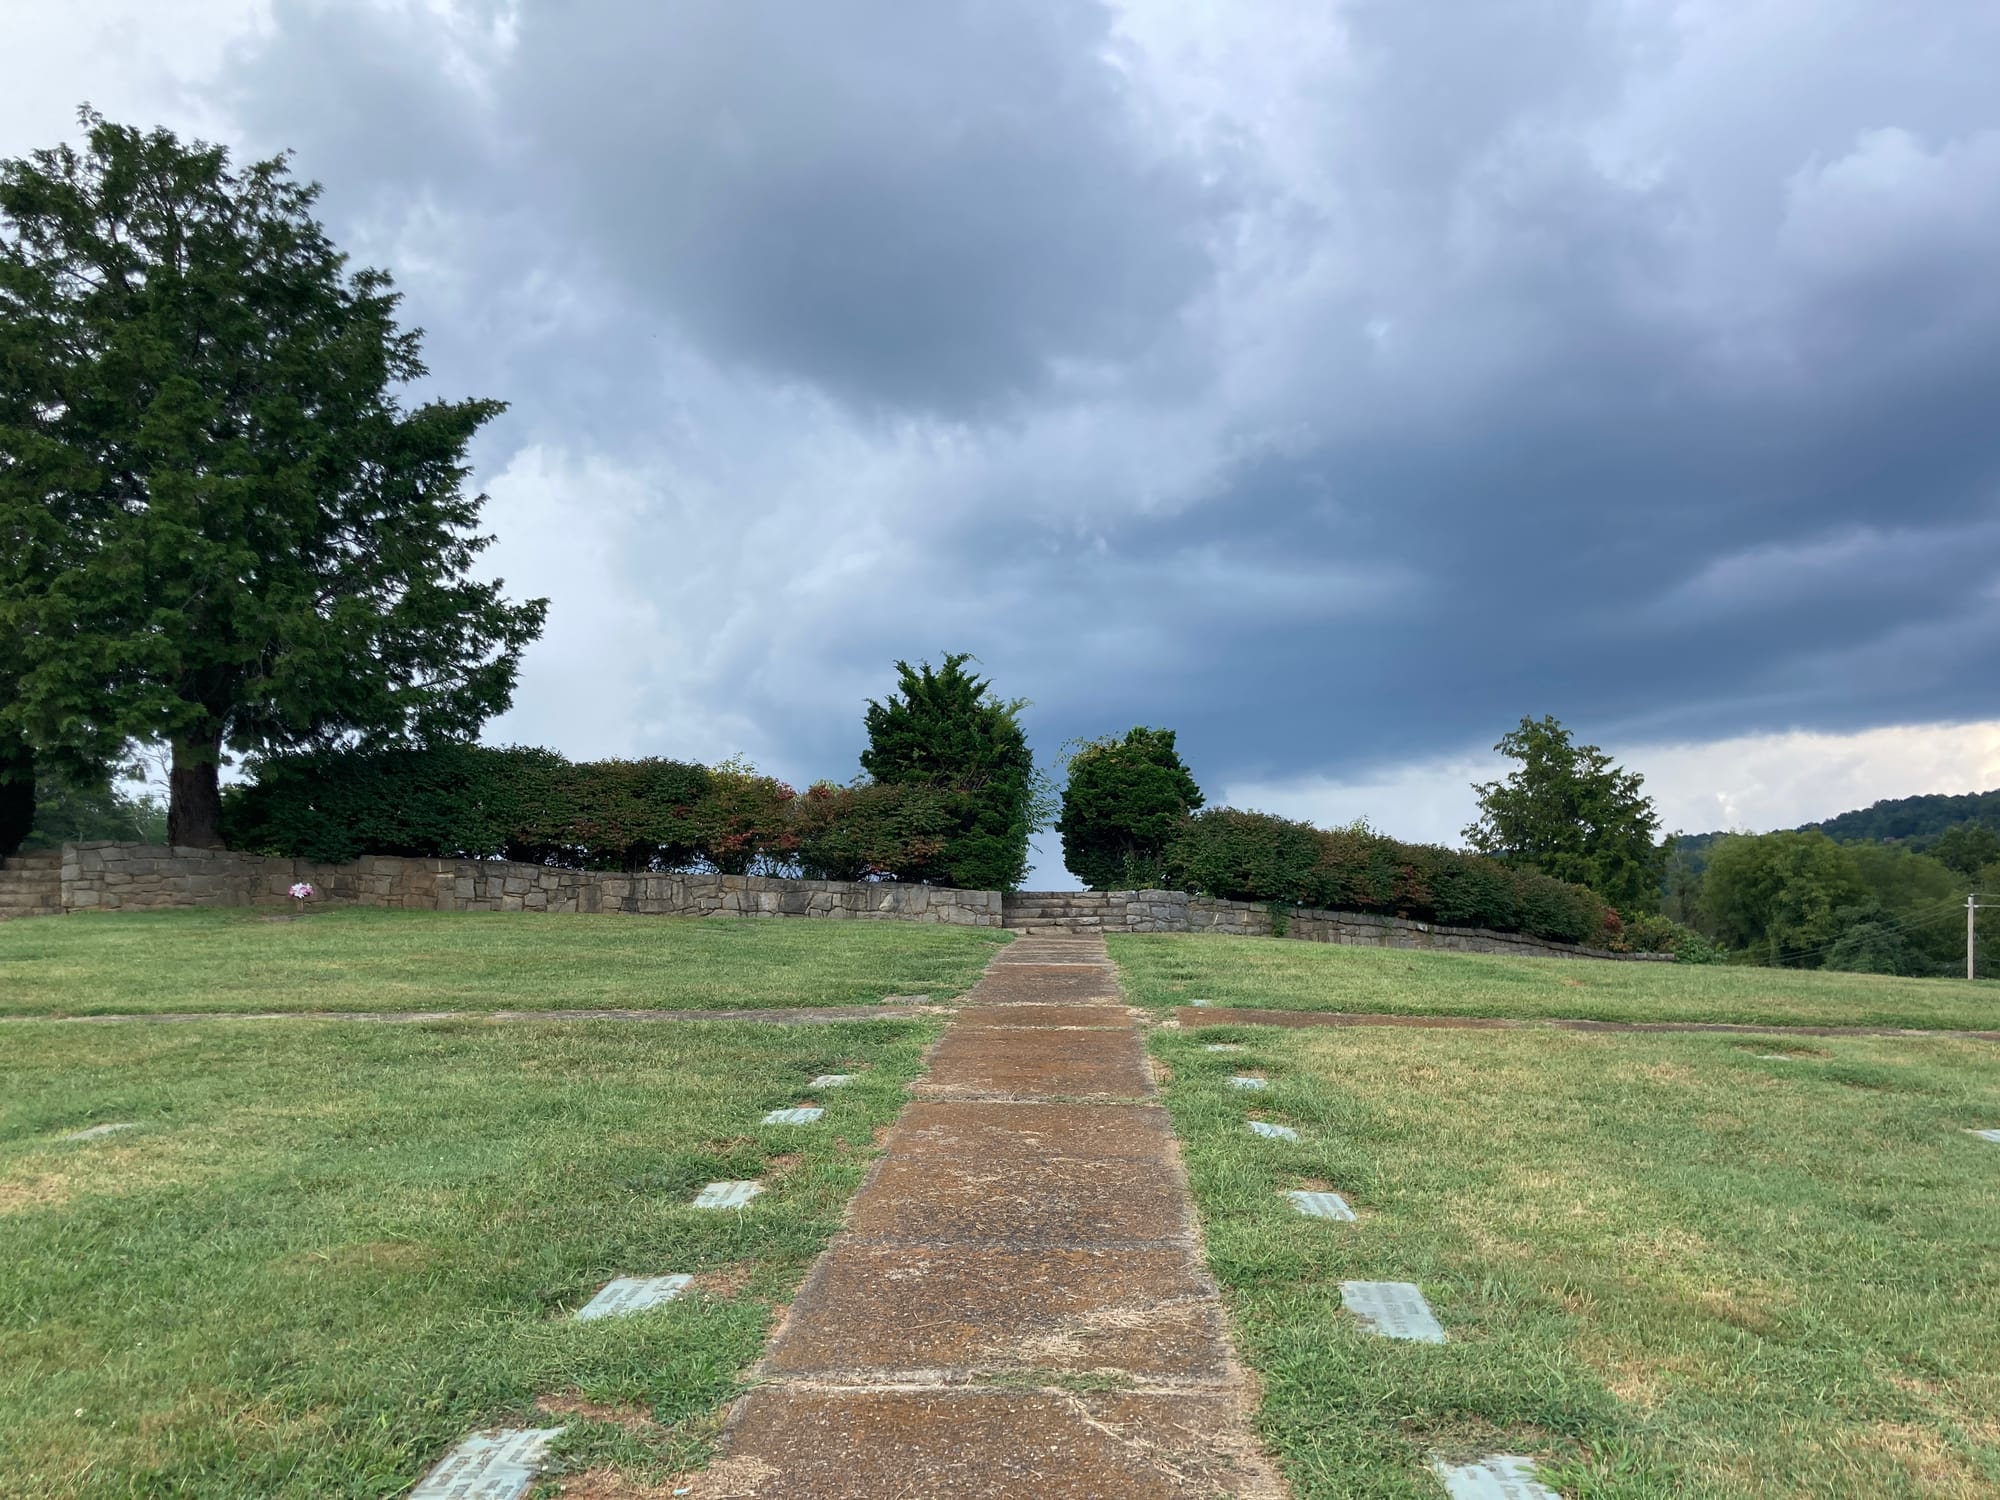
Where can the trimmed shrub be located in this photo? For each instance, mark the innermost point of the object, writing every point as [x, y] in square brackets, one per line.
[460, 801]
[871, 829]
[742, 823]
[1250, 856]
[1245, 856]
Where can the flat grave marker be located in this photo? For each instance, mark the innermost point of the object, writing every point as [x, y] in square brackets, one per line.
[1988, 1135]
[727, 1194]
[1500, 1476]
[833, 1080]
[1272, 1132]
[803, 1115]
[1393, 1309]
[1321, 1205]
[630, 1294]
[1243, 1081]
[91, 1133]
[1223, 1047]
[489, 1466]
[1204, 1004]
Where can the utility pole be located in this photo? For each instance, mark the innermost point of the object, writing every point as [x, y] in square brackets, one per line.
[1971, 931]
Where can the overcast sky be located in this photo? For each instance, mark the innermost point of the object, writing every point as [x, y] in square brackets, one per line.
[1334, 384]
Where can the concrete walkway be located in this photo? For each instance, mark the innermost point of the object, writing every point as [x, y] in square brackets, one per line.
[1018, 1306]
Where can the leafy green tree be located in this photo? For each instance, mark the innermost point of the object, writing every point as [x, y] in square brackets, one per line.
[946, 729]
[67, 811]
[223, 530]
[1966, 849]
[1784, 898]
[1121, 805]
[1569, 812]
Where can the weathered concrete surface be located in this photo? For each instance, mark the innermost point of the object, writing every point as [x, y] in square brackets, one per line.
[1029, 1226]
[1031, 1063]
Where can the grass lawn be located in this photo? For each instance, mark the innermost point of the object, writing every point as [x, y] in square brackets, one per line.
[1666, 1267]
[1277, 974]
[324, 1254]
[359, 959]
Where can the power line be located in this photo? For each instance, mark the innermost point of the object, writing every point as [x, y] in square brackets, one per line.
[1950, 906]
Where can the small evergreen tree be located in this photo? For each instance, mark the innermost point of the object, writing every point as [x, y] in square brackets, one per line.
[1569, 812]
[1122, 804]
[947, 730]
[219, 528]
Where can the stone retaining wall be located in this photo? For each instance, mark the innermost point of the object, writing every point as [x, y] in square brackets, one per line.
[1176, 911]
[127, 877]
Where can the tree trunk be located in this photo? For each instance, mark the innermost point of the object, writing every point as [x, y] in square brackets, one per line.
[194, 794]
[17, 793]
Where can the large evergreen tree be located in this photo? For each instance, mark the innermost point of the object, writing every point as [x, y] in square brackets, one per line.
[946, 729]
[1123, 802]
[221, 529]
[1568, 811]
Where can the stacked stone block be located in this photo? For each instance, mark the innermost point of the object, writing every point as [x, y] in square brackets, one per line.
[1055, 913]
[31, 885]
[127, 877]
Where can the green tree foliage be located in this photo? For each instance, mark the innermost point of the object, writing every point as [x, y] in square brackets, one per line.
[1251, 856]
[1121, 805]
[947, 730]
[742, 824]
[1966, 848]
[1569, 812]
[1919, 820]
[224, 531]
[458, 801]
[1782, 898]
[68, 811]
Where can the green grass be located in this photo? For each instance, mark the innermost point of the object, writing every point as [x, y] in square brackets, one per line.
[391, 960]
[327, 1253]
[1666, 1267]
[1274, 974]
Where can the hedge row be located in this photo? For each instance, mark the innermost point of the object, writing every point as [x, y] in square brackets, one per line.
[1250, 856]
[472, 802]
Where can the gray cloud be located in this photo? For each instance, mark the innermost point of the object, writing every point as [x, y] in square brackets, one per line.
[1335, 386]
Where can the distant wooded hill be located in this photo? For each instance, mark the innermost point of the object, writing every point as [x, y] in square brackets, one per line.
[1917, 821]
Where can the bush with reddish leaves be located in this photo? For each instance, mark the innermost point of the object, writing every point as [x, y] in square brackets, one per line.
[1250, 856]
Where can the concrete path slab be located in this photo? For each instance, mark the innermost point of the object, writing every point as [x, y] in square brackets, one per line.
[1029, 1224]
[978, 1130]
[962, 1310]
[982, 1445]
[1085, 1016]
[1030, 1063]
[1018, 1198]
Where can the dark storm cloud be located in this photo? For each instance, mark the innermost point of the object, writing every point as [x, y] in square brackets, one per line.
[926, 206]
[1634, 363]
